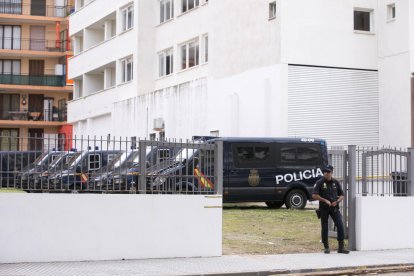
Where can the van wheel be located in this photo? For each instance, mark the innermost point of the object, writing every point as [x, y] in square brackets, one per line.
[296, 199]
[274, 204]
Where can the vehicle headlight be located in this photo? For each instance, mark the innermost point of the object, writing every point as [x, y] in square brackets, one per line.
[160, 180]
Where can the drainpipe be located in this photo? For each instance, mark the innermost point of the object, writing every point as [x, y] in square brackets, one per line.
[412, 110]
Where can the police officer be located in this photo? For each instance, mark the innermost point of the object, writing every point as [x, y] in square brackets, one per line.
[329, 193]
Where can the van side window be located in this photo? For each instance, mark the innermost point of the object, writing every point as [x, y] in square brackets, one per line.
[251, 156]
[94, 162]
[300, 155]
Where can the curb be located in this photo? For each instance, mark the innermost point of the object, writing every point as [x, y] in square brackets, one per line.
[350, 270]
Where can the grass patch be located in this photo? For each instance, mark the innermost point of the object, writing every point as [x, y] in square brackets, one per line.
[10, 190]
[257, 229]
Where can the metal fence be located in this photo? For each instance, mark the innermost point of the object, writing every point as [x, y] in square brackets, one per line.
[370, 171]
[105, 165]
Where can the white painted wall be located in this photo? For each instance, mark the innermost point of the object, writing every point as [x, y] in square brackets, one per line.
[321, 32]
[81, 227]
[384, 223]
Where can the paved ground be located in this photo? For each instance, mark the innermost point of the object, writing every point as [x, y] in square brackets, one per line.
[229, 264]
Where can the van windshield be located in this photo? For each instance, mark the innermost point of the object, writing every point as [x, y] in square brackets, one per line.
[73, 161]
[185, 154]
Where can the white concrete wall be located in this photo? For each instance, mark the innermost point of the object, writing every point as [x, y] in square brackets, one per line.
[81, 227]
[384, 223]
[321, 32]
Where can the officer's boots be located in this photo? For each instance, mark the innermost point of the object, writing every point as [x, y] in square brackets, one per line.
[326, 246]
[341, 248]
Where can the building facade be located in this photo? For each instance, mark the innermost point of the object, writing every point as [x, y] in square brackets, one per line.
[34, 91]
[338, 70]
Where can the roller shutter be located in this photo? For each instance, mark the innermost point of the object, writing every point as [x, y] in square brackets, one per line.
[339, 105]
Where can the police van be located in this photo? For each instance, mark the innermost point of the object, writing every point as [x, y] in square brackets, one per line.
[276, 171]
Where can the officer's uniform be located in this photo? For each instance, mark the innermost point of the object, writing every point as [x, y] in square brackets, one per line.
[330, 190]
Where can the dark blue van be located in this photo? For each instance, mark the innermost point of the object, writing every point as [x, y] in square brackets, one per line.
[276, 171]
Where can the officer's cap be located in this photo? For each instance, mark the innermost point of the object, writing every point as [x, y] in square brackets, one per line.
[328, 168]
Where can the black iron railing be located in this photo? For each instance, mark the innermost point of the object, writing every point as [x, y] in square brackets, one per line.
[48, 115]
[16, 7]
[10, 43]
[41, 80]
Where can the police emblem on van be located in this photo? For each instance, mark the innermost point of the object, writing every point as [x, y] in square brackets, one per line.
[254, 178]
[298, 176]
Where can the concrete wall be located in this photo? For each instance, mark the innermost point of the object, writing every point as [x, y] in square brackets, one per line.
[68, 227]
[384, 223]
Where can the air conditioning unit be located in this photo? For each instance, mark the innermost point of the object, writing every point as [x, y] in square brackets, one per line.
[158, 124]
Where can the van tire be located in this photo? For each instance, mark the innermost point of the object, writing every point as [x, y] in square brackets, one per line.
[296, 199]
[274, 204]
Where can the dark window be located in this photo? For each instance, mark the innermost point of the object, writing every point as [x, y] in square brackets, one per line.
[94, 162]
[300, 155]
[9, 139]
[254, 156]
[8, 102]
[362, 21]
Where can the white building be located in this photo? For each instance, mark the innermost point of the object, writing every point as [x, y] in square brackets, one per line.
[338, 70]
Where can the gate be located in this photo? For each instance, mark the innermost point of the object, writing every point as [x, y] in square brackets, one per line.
[370, 171]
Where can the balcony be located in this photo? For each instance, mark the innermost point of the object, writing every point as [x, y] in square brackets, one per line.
[27, 44]
[42, 80]
[35, 10]
[45, 115]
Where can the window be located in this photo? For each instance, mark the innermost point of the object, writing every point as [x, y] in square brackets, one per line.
[391, 12]
[8, 102]
[9, 66]
[272, 10]
[127, 18]
[254, 156]
[11, 6]
[166, 10]
[165, 62]
[126, 69]
[189, 54]
[300, 155]
[187, 5]
[362, 20]
[9, 139]
[10, 37]
[205, 48]
[94, 162]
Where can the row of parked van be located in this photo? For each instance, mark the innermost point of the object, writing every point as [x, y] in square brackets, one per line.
[273, 170]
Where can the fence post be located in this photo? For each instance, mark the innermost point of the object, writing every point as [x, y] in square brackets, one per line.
[218, 159]
[410, 172]
[142, 185]
[352, 196]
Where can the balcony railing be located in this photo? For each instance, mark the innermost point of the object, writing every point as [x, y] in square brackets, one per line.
[43, 80]
[8, 43]
[47, 115]
[36, 10]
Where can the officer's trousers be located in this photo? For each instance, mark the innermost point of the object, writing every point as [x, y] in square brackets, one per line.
[336, 217]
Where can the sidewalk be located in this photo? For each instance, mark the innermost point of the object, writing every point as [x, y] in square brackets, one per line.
[228, 264]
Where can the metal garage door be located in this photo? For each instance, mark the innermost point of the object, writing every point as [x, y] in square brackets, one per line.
[340, 105]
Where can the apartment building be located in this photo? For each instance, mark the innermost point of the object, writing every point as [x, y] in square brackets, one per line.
[338, 70]
[34, 90]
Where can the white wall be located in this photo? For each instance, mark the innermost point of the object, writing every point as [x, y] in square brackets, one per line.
[101, 102]
[384, 223]
[321, 32]
[244, 39]
[81, 227]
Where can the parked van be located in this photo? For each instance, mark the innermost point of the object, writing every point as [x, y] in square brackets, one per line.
[276, 171]
[12, 162]
[76, 173]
